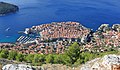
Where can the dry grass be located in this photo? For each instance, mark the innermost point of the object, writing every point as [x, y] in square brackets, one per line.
[0, 67]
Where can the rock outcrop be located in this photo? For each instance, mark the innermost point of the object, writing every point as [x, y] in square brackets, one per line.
[103, 27]
[116, 27]
[6, 8]
[17, 67]
[108, 62]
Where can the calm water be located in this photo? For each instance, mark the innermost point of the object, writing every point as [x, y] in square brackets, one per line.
[90, 13]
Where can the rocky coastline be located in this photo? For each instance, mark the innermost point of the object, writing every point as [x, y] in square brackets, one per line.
[6, 8]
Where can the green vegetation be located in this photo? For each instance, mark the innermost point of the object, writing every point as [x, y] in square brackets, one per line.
[12, 55]
[4, 54]
[73, 52]
[71, 57]
[20, 57]
[7, 8]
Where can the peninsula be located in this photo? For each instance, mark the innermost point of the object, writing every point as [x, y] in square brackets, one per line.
[68, 44]
[6, 8]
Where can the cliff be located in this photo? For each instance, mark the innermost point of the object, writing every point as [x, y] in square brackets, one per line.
[6, 8]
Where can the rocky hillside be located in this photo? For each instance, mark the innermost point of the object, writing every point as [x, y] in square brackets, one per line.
[108, 62]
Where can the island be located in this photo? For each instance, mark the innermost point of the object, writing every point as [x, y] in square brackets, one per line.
[6, 8]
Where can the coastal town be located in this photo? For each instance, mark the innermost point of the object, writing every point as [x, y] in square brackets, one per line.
[57, 37]
[48, 44]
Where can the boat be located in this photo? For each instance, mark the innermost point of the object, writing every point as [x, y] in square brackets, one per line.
[7, 29]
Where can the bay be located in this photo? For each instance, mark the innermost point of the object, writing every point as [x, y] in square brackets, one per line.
[90, 13]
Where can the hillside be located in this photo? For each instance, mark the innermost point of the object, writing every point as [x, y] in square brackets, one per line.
[108, 62]
[6, 8]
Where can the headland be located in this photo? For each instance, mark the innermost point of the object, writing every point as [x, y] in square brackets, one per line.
[6, 8]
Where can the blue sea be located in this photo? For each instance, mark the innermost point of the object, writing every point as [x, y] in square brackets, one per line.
[90, 13]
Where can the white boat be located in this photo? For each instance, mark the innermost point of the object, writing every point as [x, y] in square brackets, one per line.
[7, 29]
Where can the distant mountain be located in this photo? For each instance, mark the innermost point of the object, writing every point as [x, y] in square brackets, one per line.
[6, 8]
